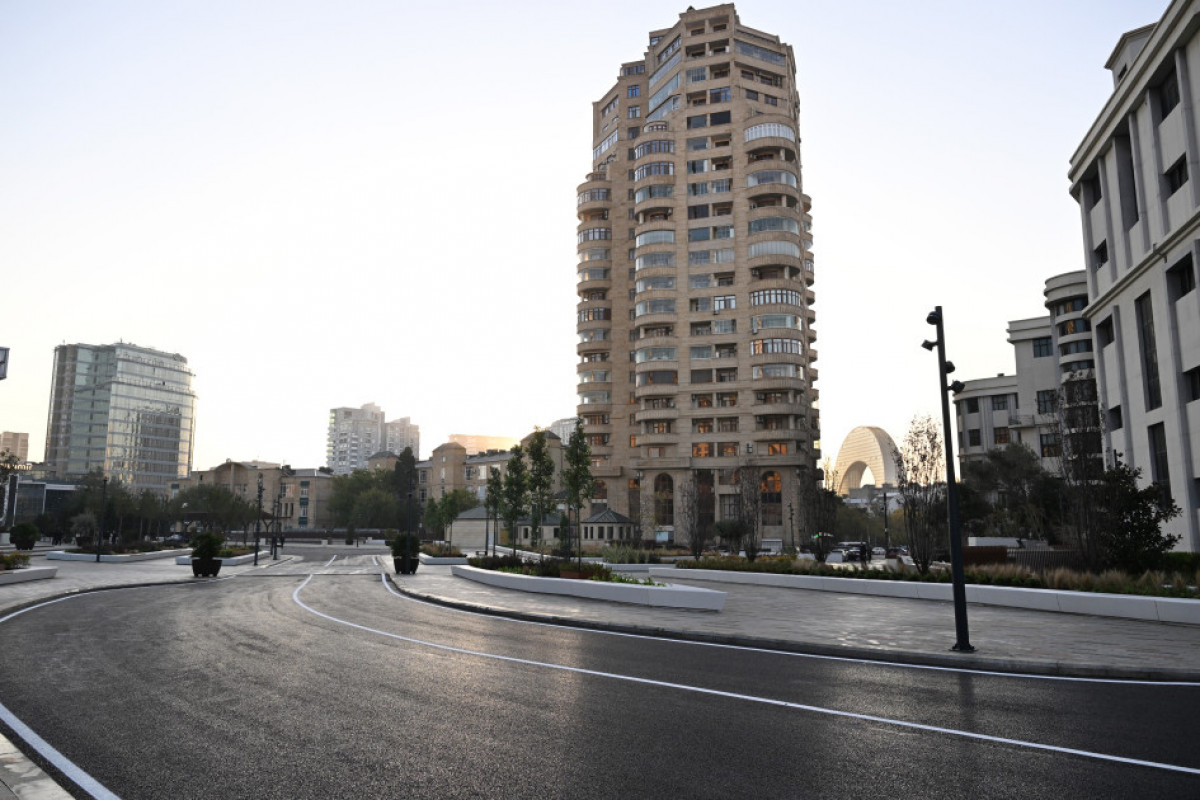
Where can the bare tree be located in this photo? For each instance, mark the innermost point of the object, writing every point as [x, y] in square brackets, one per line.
[687, 516]
[921, 469]
[750, 508]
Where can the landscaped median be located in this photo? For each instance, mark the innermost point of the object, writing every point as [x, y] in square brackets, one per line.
[1160, 609]
[112, 558]
[673, 596]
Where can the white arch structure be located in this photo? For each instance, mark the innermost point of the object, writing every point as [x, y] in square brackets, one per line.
[865, 447]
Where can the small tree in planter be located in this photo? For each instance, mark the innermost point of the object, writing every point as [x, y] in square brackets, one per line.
[405, 546]
[24, 535]
[206, 546]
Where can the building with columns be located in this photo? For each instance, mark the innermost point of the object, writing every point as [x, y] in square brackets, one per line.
[1136, 176]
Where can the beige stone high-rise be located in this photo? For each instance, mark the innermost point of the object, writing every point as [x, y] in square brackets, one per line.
[695, 316]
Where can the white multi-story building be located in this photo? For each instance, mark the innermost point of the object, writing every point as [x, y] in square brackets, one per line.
[401, 433]
[1136, 176]
[1050, 353]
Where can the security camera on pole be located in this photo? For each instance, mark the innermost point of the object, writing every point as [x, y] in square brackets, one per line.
[963, 638]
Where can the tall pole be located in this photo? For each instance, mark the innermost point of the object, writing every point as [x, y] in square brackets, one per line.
[962, 634]
[258, 520]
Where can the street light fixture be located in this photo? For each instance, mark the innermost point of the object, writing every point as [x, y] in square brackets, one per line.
[962, 634]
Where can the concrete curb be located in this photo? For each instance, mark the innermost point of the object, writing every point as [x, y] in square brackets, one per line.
[122, 558]
[688, 597]
[1122, 606]
[27, 574]
[949, 660]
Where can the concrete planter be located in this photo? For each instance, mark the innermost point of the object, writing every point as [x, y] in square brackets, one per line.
[442, 560]
[1124, 606]
[124, 558]
[658, 596]
[27, 574]
[186, 560]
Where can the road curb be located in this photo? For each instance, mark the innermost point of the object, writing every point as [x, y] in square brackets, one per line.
[949, 660]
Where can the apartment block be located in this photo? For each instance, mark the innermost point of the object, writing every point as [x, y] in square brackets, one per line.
[128, 411]
[294, 499]
[1136, 176]
[1054, 361]
[357, 434]
[695, 309]
[15, 443]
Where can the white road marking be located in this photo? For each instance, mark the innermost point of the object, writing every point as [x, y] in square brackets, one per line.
[750, 698]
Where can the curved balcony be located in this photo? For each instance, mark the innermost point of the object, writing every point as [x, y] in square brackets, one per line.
[591, 207]
[657, 438]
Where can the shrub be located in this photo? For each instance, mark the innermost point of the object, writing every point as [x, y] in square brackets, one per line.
[495, 562]
[627, 554]
[24, 535]
[14, 560]
[405, 543]
[207, 545]
[441, 550]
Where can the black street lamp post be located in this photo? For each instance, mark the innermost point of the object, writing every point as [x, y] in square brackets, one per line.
[258, 520]
[962, 634]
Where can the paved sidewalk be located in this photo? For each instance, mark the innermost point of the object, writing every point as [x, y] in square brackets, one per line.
[915, 631]
[920, 631]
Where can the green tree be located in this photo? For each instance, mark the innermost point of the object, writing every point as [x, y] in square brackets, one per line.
[541, 484]
[516, 493]
[404, 480]
[1127, 524]
[347, 489]
[24, 535]
[577, 477]
[494, 501]
[376, 507]
[750, 508]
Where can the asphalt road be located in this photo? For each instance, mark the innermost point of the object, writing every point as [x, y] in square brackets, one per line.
[286, 685]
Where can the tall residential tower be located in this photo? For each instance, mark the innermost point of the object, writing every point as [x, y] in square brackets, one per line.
[695, 316]
[126, 410]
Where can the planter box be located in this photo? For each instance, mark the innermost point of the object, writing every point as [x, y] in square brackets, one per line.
[186, 560]
[124, 558]
[28, 574]
[659, 596]
[441, 560]
[1123, 606]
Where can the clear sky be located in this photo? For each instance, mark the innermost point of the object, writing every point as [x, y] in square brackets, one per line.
[325, 204]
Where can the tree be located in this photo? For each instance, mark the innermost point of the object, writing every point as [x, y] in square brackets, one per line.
[828, 512]
[24, 535]
[730, 532]
[404, 483]
[577, 476]
[494, 501]
[515, 493]
[1008, 493]
[1128, 520]
[920, 468]
[687, 516]
[750, 491]
[813, 511]
[373, 512]
[541, 477]
[83, 527]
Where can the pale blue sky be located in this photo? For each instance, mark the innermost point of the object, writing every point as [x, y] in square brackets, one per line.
[327, 204]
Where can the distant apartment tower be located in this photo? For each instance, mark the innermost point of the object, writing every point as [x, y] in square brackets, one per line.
[1135, 178]
[355, 434]
[1054, 362]
[15, 443]
[401, 433]
[128, 411]
[694, 316]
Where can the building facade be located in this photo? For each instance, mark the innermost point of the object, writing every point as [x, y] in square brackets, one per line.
[355, 434]
[1053, 356]
[293, 499]
[401, 433]
[694, 316]
[1136, 176]
[128, 411]
[15, 443]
